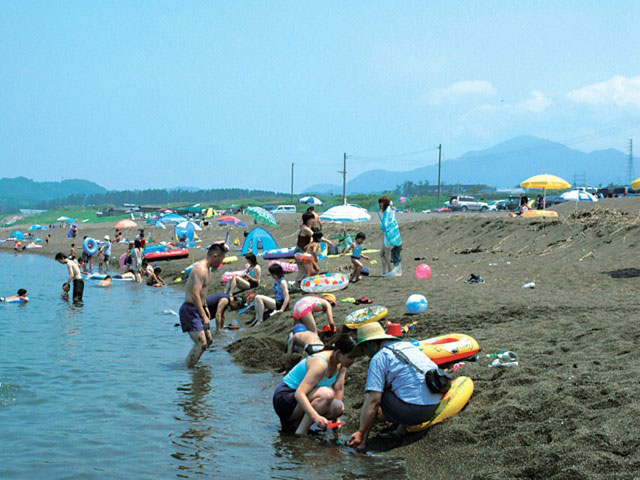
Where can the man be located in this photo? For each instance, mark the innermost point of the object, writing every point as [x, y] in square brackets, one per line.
[75, 277]
[194, 315]
[316, 226]
[394, 385]
[106, 251]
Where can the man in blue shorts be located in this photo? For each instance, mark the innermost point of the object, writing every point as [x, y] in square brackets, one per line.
[194, 315]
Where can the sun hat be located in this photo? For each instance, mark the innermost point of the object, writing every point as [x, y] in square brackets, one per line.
[369, 332]
[331, 298]
[106, 237]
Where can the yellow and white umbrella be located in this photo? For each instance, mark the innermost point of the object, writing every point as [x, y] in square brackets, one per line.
[636, 184]
[545, 182]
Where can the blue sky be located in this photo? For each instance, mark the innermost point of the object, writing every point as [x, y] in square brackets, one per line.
[219, 94]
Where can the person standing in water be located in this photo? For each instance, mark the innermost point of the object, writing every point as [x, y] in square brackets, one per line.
[195, 317]
[75, 277]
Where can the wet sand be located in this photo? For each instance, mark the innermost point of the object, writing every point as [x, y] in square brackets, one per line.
[570, 409]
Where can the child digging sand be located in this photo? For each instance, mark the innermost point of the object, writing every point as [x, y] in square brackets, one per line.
[356, 256]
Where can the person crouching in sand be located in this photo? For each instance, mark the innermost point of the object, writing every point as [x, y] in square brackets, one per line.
[195, 317]
[312, 392]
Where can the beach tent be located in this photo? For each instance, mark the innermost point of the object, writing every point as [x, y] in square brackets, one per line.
[66, 219]
[257, 239]
[37, 227]
[579, 195]
[311, 201]
[188, 233]
[16, 235]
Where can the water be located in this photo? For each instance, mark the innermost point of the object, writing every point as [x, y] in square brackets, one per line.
[100, 391]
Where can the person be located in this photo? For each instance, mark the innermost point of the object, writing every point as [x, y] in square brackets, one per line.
[20, 297]
[540, 203]
[524, 207]
[72, 252]
[107, 282]
[279, 303]
[194, 314]
[156, 280]
[46, 239]
[106, 251]
[218, 304]
[149, 272]
[302, 340]
[391, 239]
[137, 255]
[305, 235]
[316, 225]
[313, 391]
[249, 279]
[118, 236]
[356, 256]
[75, 277]
[143, 240]
[311, 266]
[125, 276]
[305, 307]
[65, 292]
[392, 384]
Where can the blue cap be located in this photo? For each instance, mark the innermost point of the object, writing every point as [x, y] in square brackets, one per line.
[297, 328]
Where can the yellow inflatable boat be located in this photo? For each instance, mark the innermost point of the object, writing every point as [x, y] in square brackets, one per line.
[452, 402]
[449, 348]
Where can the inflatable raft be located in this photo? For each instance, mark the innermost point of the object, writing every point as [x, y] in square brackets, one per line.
[449, 348]
[363, 316]
[168, 255]
[328, 282]
[278, 253]
[452, 402]
[540, 214]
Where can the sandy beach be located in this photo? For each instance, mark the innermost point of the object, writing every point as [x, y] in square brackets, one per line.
[568, 411]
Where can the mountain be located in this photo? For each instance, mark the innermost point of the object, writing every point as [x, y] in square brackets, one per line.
[26, 193]
[503, 165]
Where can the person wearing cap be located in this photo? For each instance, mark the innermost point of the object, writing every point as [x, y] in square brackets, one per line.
[106, 252]
[392, 384]
[301, 340]
[312, 392]
[304, 309]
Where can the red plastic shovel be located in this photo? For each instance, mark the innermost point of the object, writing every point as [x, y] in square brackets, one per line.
[334, 424]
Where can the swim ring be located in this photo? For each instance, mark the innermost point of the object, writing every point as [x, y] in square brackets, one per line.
[90, 246]
[121, 260]
[449, 348]
[304, 257]
[230, 259]
[278, 253]
[226, 276]
[366, 315]
[286, 266]
[15, 300]
[328, 282]
[452, 402]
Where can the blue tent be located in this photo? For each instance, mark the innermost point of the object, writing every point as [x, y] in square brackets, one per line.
[187, 233]
[258, 239]
[17, 234]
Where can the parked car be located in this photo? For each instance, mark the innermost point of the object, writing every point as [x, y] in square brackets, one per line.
[498, 205]
[289, 209]
[462, 203]
[554, 200]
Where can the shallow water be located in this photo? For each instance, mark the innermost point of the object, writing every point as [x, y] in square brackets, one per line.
[100, 391]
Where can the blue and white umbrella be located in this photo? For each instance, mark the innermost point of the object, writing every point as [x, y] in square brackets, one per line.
[345, 214]
[37, 227]
[311, 200]
[172, 218]
[579, 196]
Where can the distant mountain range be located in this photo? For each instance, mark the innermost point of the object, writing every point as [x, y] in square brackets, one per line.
[26, 193]
[504, 166]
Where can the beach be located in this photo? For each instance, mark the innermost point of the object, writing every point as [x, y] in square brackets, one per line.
[569, 410]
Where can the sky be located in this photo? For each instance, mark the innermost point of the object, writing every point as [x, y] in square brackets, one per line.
[213, 94]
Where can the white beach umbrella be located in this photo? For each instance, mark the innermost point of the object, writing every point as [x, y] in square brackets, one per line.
[187, 223]
[345, 214]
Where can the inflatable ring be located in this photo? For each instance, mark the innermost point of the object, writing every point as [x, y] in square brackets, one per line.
[286, 266]
[453, 401]
[363, 316]
[304, 257]
[90, 246]
[328, 282]
[449, 348]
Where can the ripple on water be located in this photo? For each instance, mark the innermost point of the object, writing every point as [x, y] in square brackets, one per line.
[11, 394]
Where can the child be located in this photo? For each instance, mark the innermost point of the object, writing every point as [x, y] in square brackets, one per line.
[72, 252]
[356, 256]
[249, 279]
[21, 297]
[312, 266]
[65, 292]
[280, 291]
[100, 257]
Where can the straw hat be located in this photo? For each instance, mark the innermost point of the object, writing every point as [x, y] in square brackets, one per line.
[331, 298]
[372, 331]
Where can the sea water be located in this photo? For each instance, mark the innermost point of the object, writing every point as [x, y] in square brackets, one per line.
[101, 391]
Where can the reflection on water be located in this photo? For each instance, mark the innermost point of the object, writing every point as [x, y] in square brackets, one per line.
[102, 392]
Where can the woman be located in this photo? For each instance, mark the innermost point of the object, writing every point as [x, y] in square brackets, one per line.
[391, 239]
[249, 279]
[312, 392]
[305, 307]
[137, 255]
[279, 303]
[305, 236]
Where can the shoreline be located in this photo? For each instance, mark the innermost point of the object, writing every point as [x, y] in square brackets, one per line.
[567, 411]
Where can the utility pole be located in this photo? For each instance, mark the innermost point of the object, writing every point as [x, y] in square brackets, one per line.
[630, 173]
[344, 178]
[439, 161]
[292, 164]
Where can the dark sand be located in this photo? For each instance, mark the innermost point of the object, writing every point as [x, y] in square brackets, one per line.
[570, 410]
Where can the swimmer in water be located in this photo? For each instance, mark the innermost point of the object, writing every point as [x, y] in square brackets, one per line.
[21, 297]
[107, 282]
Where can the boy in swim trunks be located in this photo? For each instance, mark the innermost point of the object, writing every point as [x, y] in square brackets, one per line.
[356, 256]
[195, 317]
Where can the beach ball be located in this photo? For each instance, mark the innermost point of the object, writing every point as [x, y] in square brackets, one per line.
[423, 271]
[416, 304]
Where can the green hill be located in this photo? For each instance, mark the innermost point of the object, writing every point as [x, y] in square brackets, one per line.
[21, 192]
